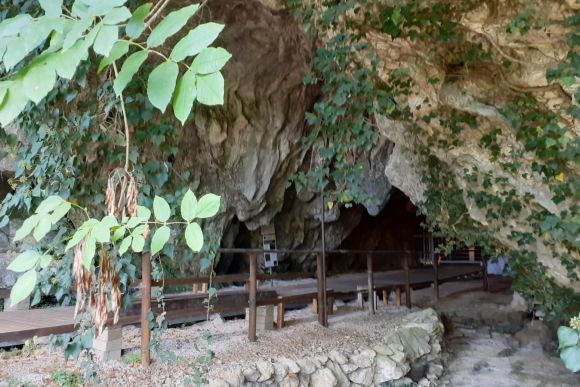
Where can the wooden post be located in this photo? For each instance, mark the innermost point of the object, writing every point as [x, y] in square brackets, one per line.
[253, 290]
[371, 284]
[321, 304]
[385, 296]
[436, 277]
[398, 296]
[145, 307]
[407, 283]
[280, 316]
[485, 279]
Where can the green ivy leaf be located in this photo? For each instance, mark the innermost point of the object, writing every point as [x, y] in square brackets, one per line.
[49, 204]
[117, 15]
[45, 260]
[567, 337]
[120, 48]
[138, 243]
[210, 89]
[24, 261]
[210, 60]
[207, 206]
[196, 40]
[23, 287]
[105, 39]
[188, 206]
[185, 94]
[171, 24]
[136, 24]
[159, 239]
[571, 358]
[161, 209]
[125, 245]
[52, 8]
[194, 237]
[130, 67]
[42, 228]
[161, 84]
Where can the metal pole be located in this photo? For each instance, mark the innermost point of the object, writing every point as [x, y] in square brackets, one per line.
[407, 282]
[145, 308]
[436, 277]
[371, 284]
[323, 304]
[253, 287]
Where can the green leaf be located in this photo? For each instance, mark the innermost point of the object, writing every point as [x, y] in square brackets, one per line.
[77, 237]
[102, 233]
[210, 89]
[105, 39]
[125, 245]
[23, 287]
[68, 60]
[185, 94]
[52, 8]
[196, 40]
[60, 212]
[210, 60]
[194, 237]
[139, 230]
[76, 32]
[138, 244]
[134, 221]
[120, 48]
[161, 84]
[161, 209]
[26, 228]
[143, 213]
[571, 358]
[171, 24]
[49, 204]
[188, 206]
[45, 260]
[130, 67]
[42, 228]
[38, 81]
[117, 15]
[14, 102]
[102, 7]
[207, 206]
[136, 24]
[109, 221]
[159, 239]
[24, 261]
[89, 251]
[567, 337]
[119, 233]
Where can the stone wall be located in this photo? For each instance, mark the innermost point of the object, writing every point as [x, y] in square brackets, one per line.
[410, 354]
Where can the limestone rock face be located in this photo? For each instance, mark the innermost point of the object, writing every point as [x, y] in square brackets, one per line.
[479, 92]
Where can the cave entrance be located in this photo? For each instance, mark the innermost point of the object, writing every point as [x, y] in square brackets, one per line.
[395, 228]
[239, 236]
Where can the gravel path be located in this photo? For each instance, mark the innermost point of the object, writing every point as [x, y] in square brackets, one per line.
[350, 329]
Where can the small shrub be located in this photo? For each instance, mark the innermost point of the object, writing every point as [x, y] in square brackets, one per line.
[132, 359]
[66, 378]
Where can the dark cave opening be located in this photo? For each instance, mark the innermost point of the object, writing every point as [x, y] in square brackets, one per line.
[395, 228]
[237, 235]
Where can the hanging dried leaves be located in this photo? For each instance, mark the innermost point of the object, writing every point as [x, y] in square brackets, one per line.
[121, 194]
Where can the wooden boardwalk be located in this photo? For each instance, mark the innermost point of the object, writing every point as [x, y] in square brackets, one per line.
[17, 326]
